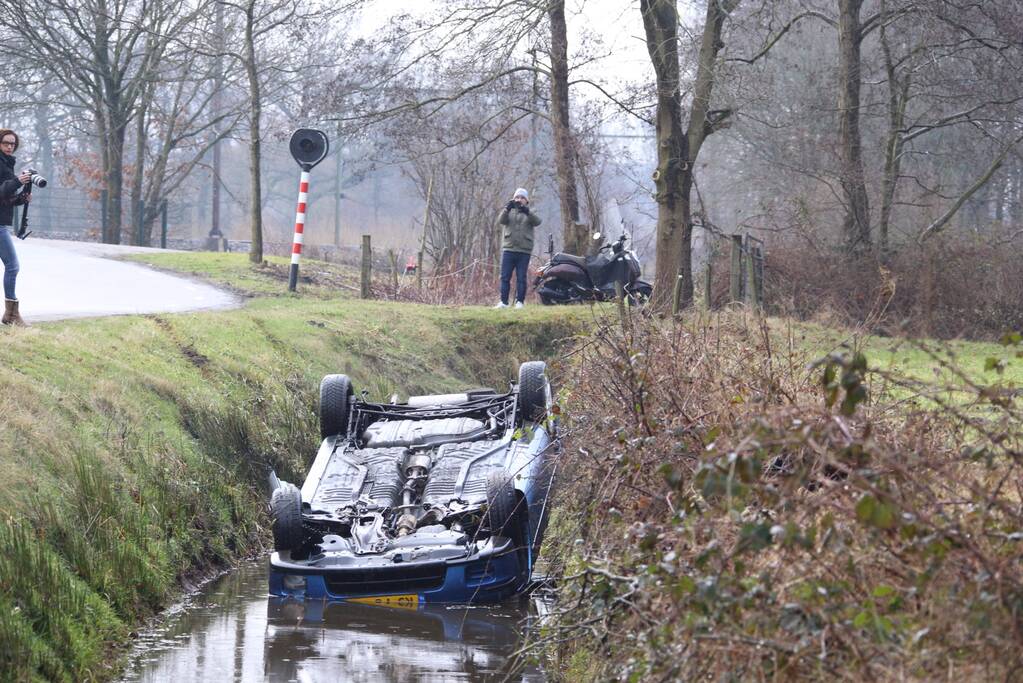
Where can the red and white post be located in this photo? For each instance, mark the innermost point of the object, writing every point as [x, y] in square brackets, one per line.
[296, 245]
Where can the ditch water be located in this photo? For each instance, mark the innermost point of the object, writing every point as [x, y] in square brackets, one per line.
[231, 631]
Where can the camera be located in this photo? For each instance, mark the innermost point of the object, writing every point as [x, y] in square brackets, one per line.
[35, 178]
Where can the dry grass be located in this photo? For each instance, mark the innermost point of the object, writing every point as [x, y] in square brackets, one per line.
[952, 287]
[745, 514]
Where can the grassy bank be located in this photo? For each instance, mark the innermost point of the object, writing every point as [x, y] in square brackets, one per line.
[133, 449]
[738, 511]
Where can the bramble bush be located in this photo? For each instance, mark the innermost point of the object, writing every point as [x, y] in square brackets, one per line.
[739, 510]
[950, 287]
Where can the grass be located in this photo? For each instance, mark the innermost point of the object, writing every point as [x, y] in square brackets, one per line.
[952, 370]
[134, 449]
[924, 359]
[235, 271]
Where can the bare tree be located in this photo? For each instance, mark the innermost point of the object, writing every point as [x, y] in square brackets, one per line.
[484, 44]
[856, 224]
[178, 129]
[104, 54]
[678, 148]
[265, 33]
[575, 239]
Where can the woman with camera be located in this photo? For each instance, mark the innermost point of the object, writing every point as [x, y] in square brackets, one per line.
[11, 194]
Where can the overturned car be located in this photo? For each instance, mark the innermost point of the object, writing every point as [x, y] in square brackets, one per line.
[441, 498]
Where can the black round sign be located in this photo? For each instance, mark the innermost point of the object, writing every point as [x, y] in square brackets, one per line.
[309, 147]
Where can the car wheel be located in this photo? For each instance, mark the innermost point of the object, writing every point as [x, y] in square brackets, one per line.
[335, 400]
[286, 513]
[534, 391]
[505, 509]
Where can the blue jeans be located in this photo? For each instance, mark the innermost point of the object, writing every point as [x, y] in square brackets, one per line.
[10, 259]
[518, 262]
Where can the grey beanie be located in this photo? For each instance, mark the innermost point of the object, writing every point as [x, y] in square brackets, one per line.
[521, 192]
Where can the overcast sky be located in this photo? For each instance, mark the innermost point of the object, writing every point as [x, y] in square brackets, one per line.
[617, 23]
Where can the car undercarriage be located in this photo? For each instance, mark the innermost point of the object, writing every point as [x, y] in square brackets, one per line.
[401, 492]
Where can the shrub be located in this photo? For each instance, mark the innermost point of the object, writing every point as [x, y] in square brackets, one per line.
[948, 288]
[738, 513]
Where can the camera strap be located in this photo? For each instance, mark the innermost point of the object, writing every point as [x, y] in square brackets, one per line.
[23, 230]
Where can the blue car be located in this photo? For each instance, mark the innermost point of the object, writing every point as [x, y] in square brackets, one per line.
[440, 498]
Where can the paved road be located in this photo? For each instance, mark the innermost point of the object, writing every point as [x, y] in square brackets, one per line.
[62, 279]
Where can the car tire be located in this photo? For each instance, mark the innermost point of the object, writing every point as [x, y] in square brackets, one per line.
[505, 509]
[335, 402]
[286, 514]
[534, 391]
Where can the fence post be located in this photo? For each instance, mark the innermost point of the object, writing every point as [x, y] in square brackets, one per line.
[708, 279]
[620, 299]
[163, 224]
[735, 271]
[367, 266]
[749, 295]
[104, 217]
[758, 276]
[676, 296]
[422, 243]
[394, 269]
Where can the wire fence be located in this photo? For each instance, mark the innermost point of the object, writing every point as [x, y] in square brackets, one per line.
[74, 214]
[67, 211]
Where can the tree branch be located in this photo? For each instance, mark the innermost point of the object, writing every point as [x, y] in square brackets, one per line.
[943, 220]
[785, 29]
[625, 107]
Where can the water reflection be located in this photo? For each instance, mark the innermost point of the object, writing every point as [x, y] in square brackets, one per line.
[233, 631]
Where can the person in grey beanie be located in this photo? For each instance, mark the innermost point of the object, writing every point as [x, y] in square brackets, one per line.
[517, 247]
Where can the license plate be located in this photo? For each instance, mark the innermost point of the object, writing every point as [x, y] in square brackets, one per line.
[403, 601]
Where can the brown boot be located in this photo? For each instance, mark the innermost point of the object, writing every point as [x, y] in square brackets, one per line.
[11, 315]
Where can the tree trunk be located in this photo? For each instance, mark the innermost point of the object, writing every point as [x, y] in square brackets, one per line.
[138, 176]
[575, 240]
[898, 96]
[660, 20]
[114, 122]
[114, 175]
[218, 108]
[677, 149]
[856, 223]
[1017, 197]
[255, 112]
[42, 126]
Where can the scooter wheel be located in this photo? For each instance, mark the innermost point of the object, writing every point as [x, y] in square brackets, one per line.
[640, 296]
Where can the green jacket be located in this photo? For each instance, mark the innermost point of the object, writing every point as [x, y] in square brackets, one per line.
[518, 230]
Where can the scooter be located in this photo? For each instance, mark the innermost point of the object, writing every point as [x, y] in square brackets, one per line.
[568, 279]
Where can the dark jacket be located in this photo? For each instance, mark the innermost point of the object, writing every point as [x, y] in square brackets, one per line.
[9, 189]
[518, 229]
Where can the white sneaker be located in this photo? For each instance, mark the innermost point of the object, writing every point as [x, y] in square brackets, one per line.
[519, 304]
[501, 305]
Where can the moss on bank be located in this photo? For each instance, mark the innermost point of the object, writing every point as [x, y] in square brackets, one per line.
[134, 449]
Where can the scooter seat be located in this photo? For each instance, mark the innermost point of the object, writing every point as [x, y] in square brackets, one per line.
[562, 257]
